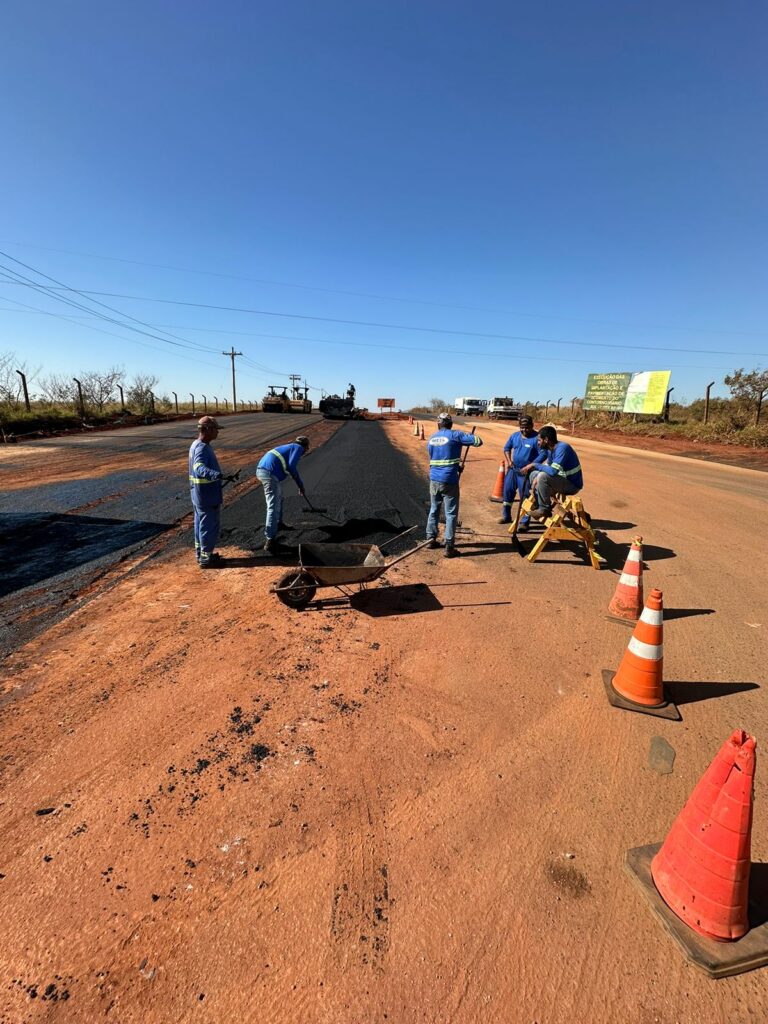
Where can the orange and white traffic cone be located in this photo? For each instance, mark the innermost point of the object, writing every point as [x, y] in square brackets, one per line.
[422, 431]
[415, 429]
[638, 684]
[697, 880]
[627, 603]
[498, 490]
[702, 868]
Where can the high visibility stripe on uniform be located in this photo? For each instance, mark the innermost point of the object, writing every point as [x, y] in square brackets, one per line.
[628, 580]
[280, 457]
[444, 462]
[653, 652]
[652, 616]
[565, 472]
[201, 480]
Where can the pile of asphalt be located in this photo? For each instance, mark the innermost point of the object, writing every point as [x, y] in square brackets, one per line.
[367, 488]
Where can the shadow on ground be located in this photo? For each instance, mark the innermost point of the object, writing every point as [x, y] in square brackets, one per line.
[691, 693]
[38, 546]
[408, 599]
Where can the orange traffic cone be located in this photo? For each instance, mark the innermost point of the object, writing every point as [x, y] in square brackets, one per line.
[415, 429]
[638, 684]
[627, 603]
[422, 431]
[702, 869]
[697, 881]
[498, 490]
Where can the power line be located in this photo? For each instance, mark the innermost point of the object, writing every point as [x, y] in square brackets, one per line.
[393, 348]
[424, 330]
[395, 298]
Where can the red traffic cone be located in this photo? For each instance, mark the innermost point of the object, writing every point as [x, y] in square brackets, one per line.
[422, 431]
[638, 684]
[627, 602]
[498, 490]
[702, 869]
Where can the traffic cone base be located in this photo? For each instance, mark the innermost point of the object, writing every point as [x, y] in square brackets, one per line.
[717, 959]
[666, 710]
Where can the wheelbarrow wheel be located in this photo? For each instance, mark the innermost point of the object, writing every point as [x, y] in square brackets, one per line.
[300, 589]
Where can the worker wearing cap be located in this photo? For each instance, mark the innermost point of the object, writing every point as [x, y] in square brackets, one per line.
[205, 485]
[521, 455]
[559, 475]
[445, 467]
[272, 469]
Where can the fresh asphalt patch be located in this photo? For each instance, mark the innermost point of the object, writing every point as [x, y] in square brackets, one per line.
[367, 488]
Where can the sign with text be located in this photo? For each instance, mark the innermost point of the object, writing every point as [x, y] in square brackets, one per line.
[643, 392]
[385, 403]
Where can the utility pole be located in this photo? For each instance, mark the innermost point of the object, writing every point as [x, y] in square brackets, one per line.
[80, 396]
[23, 376]
[232, 355]
[706, 400]
[176, 401]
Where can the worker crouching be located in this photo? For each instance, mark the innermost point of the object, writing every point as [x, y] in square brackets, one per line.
[445, 448]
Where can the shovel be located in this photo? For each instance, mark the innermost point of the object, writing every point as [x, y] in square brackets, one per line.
[233, 478]
[320, 511]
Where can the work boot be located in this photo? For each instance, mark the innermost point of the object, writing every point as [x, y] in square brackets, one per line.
[433, 543]
[540, 514]
[504, 521]
[451, 552]
[269, 547]
[210, 560]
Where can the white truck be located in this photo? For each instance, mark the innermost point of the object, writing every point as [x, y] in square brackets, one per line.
[469, 406]
[502, 409]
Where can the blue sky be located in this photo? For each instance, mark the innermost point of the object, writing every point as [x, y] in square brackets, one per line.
[570, 177]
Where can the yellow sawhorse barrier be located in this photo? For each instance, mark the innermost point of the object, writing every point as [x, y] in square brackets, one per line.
[569, 521]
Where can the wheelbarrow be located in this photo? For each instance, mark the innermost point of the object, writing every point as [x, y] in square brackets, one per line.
[342, 566]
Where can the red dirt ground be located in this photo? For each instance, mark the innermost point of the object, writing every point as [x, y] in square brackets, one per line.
[413, 809]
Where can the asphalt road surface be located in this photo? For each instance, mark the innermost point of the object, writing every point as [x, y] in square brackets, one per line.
[88, 501]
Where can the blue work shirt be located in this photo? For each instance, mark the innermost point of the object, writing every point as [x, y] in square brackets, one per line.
[283, 460]
[444, 449]
[563, 461]
[204, 475]
[524, 450]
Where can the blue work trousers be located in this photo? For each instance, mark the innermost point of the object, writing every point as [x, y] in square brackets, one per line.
[548, 487]
[273, 495]
[439, 494]
[515, 483]
[207, 524]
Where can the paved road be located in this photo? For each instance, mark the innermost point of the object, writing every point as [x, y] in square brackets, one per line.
[88, 501]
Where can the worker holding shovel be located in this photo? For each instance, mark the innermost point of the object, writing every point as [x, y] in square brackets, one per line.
[206, 482]
[272, 470]
[445, 466]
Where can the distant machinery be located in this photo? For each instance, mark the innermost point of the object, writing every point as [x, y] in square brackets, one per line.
[276, 401]
[334, 407]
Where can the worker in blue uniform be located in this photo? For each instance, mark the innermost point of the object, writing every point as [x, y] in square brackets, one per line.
[205, 485]
[521, 455]
[272, 470]
[445, 467]
[559, 475]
